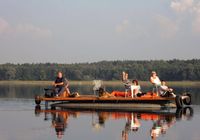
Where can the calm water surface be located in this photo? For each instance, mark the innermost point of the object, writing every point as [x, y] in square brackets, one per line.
[20, 119]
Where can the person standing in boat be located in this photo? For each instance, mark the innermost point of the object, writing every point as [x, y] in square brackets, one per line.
[155, 80]
[126, 81]
[61, 84]
[165, 91]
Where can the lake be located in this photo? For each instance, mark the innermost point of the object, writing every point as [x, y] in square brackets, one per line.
[20, 119]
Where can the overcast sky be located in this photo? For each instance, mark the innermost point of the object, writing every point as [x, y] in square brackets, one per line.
[70, 31]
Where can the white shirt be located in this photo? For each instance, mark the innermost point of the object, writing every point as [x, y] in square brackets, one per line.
[135, 87]
[155, 80]
[163, 89]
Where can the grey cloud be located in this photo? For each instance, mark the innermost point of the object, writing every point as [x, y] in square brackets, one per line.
[24, 30]
[4, 26]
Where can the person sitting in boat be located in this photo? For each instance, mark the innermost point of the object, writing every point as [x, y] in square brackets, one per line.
[135, 89]
[165, 91]
[103, 93]
[61, 84]
[155, 80]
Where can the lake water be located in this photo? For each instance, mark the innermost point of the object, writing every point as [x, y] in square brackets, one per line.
[20, 119]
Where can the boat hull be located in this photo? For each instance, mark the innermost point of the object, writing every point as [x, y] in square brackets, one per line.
[113, 103]
[118, 106]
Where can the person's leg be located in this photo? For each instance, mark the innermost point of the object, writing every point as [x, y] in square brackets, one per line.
[171, 93]
[126, 92]
[156, 87]
[67, 90]
[61, 90]
[166, 94]
[56, 91]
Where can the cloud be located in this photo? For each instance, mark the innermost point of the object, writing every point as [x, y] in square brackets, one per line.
[27, 30]
[190, 8]
[131, 30]
[4, 26]
[167, 27]
[196, 24]
[196, 21]
[122, 26]
[181, 5]
[196, 8]
[33, 31]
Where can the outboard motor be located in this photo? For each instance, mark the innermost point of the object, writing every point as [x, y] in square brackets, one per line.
[48, 93]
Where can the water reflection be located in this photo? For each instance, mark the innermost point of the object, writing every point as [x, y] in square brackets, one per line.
[132, 124]
[162, 120]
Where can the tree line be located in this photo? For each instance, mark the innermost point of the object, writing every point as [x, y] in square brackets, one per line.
[170, 70]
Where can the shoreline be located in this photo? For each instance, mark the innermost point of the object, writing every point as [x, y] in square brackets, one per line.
[108, 83]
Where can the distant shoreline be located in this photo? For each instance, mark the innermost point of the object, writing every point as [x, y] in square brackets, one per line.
[108, 83]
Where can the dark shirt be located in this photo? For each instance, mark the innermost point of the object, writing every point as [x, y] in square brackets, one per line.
[60, 80]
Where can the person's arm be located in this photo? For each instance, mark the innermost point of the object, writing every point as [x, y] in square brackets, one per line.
[139, 89]
[164, 88]
[58, 84]
[158, 79]
[152, 80]
[170, 89]
[132, 88]
[66, 82]
[123, 76]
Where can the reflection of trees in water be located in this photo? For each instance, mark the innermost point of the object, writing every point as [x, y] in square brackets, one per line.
[82, 89]
[16, 91]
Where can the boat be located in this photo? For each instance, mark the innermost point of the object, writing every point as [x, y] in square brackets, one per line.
[149, 100]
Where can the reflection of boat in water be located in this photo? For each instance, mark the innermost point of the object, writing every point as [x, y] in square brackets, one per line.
[162, 119]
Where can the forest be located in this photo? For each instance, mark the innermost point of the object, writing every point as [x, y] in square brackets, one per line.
[170, 70]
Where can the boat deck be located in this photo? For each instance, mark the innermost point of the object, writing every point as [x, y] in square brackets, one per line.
[95, 98]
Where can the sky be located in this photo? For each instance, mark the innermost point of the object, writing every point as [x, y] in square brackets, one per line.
[76, 31]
